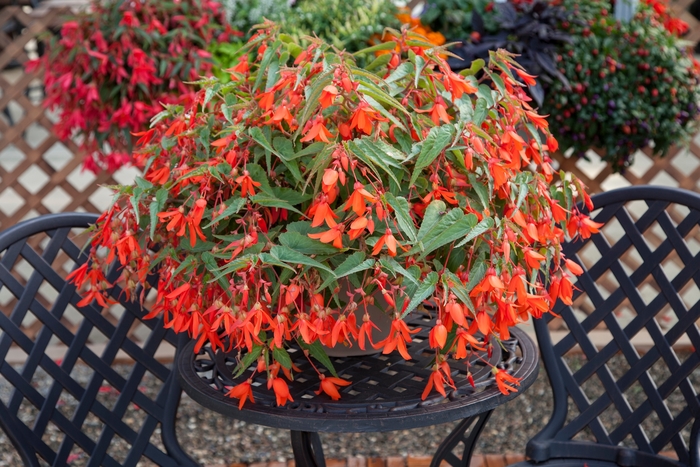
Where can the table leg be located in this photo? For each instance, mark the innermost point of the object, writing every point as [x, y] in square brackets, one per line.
[466, 433]
[308, 450]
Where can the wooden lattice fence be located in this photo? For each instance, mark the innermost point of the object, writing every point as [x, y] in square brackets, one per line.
[39, 174]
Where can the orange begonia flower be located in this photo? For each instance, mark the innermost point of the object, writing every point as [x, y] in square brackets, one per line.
[318, 132]
[279, 386]
[328, 96]
[328, 385]
[359, 225]
[506, 383]
[529, 79]
[387, 239]
[335, 235]
[247, 184]
[362, 119]
[242, 392]
[358, 199]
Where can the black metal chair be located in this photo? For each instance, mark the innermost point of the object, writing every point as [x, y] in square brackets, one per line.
[614, 405]
[57, 409]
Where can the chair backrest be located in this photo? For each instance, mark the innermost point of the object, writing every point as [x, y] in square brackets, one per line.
[76, 404]
[640, 286]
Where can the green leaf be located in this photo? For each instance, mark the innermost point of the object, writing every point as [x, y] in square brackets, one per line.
[312, 98]
[477, 65]
[498, 81]
[451, 231]
[143, 183]
[212, 266]
[302, 227]
[135, 199]
[396, 269]
[188, 261]
[371, 153]
[401, 71]
[476, 274]
[433, 214]
[270, 201]
[480, 228]
[380, 108]
[264, 63]
[259, 137]
[313, 148]
[284, 147]
[456, 286]
[208, 94]
[419, 62]
[233, 205]
[316, 351]
[282, 357]
[466, 110]
[249, 358]
[436, 141]
[156, 207]
[306, 245]
[403, 216]
[391, 45]
[267, 258]
[425, 289]
[481, 190]
[447, 219]
[354, 263]
[235, 265]
[486, 93]
[272, 75]
[522, 193]
[480, 111]
[228, 113]
[378, 62]
[288, 255]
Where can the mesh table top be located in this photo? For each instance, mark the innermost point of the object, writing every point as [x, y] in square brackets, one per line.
[385, 390]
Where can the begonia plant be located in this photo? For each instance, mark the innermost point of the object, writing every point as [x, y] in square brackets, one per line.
[114, 66]
[410, 186]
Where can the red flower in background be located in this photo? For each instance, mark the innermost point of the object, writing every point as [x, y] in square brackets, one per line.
[675, 26]
[131, 65]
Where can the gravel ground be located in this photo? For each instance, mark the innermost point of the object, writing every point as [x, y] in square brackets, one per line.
[212, 439]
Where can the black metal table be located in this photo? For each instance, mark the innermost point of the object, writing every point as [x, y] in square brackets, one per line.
[385, 394]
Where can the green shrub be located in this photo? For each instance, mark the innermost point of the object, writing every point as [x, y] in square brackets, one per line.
[632, 85]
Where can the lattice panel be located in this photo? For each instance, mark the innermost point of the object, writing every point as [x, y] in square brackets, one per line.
[38, 173]
[680, 169]
[618, 395]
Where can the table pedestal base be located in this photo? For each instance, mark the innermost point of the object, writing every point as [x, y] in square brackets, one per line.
[308, 450]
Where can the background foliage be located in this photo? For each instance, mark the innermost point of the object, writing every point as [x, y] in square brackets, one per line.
[632, 85]
[345, 24]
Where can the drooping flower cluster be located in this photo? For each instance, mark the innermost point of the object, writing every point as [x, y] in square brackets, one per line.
[113, 66]
[304, 175]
